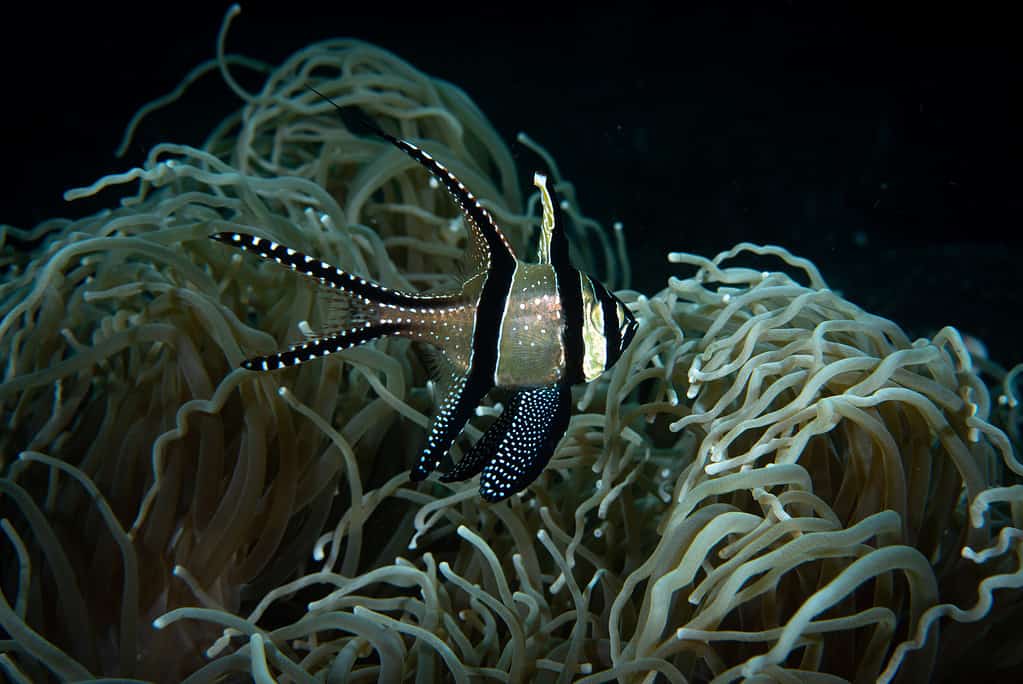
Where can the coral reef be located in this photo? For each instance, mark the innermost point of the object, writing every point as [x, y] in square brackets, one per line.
[772, 483]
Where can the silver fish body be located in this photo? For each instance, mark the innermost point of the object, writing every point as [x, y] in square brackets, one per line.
[532, 328]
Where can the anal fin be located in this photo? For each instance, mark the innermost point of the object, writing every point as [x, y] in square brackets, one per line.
[539, 420]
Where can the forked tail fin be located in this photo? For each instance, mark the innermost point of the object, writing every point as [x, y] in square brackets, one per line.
[320, 346]
[357, 310]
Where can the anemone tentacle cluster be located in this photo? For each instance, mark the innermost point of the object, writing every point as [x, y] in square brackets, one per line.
[771, 483]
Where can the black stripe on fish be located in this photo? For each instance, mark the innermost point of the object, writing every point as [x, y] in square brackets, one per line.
[559, 236]
[570, 292]
[465, 392]
[520, 443]
[469, 391]
[612, 332]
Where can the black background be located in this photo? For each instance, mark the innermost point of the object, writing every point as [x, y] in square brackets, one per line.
[880, 140]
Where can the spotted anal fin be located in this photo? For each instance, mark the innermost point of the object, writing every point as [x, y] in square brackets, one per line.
[465, 392]
[517, 447]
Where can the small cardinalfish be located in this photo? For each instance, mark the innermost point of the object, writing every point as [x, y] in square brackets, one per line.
[534, 329]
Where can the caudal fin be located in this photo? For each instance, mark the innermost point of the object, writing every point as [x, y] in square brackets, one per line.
[355, 310]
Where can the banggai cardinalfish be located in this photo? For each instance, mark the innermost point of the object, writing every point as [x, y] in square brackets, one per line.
[535, 329]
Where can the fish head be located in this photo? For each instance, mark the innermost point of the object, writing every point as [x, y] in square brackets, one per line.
[608, 328]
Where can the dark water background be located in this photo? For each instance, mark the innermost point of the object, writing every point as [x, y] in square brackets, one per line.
[884, 144]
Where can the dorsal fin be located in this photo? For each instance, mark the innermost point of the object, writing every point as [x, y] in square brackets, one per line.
[487, 242]
[553, 247]
[543, 252]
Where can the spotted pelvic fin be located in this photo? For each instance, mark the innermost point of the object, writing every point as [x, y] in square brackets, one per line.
[464, 394]
[519, 444]
[531, 329]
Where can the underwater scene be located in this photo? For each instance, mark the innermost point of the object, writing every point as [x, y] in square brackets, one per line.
[538, 345]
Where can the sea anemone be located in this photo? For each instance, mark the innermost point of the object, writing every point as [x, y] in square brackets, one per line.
[771, 483]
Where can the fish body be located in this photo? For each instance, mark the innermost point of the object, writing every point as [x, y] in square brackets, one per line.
[533, 328]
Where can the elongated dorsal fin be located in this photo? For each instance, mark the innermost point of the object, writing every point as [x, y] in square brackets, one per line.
[486, 241]
[487, 244]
